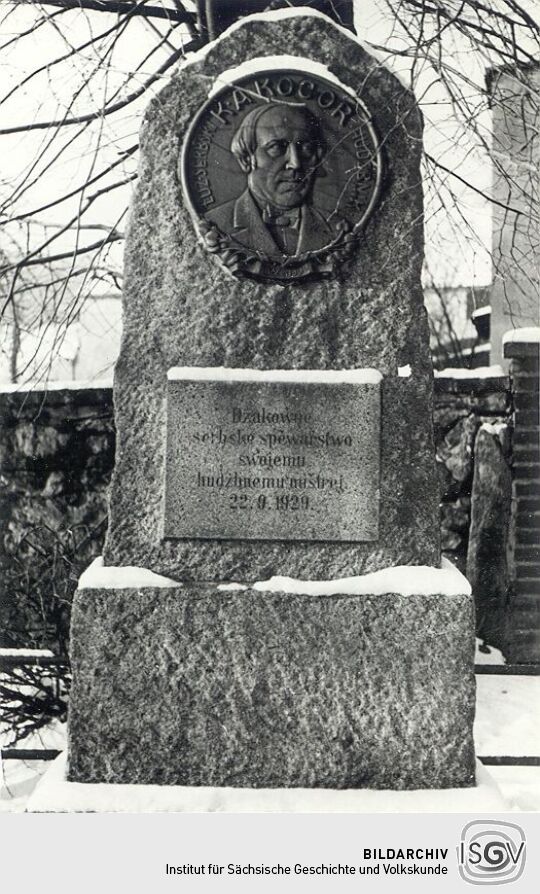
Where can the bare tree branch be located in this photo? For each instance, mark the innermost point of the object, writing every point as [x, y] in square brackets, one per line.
[172, 14]
[87, 102]
[107, 110]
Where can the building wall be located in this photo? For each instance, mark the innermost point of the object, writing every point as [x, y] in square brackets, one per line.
[84, 348]
[515, 299]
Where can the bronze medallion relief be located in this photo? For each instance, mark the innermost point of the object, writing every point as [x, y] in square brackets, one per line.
[281, 171]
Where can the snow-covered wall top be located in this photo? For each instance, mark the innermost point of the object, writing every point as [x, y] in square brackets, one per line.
[527, 334]
[481, 372]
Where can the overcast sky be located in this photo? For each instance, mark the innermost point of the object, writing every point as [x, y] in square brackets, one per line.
[455, 254]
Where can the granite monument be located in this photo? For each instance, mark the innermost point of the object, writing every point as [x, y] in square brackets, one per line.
[275, 453]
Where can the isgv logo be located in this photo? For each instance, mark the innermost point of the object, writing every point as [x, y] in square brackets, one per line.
[491, 852]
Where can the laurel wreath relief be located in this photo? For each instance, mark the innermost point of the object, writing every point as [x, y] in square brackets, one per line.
[240, 260]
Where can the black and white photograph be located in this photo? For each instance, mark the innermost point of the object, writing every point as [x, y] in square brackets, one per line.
[270, 439]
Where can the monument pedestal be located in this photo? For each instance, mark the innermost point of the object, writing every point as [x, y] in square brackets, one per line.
[365, 682]
[273, 407]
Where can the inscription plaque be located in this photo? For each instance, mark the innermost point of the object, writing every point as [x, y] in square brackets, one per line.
[286, 455]
[281, 170]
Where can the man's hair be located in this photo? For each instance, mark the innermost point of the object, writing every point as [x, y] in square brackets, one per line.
[244, 142]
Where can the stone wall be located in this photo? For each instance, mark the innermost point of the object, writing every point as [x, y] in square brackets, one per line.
[461, 406]
[487, 553]
[57, 453]
[56, 457]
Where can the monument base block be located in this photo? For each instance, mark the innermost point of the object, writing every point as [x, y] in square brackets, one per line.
[243, 686]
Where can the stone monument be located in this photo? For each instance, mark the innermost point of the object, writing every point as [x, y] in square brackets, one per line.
[275, 472]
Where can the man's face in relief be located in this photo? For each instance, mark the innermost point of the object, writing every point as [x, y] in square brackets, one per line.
[285, 158]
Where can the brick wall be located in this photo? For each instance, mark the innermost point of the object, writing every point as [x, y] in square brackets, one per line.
[523, 633]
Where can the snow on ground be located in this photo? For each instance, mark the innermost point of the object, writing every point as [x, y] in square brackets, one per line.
[19, 778]
[55, 795]
[487, 654]
[507, 723]
[521, 785]
[18, 781]
[507, 715]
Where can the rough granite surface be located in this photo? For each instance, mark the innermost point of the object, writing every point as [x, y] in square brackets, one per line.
[182, 309]
[199, 686]
[487, 555]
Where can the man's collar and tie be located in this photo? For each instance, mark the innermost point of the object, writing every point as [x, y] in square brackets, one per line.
[279, 217]
[307, 228]
[284, 226]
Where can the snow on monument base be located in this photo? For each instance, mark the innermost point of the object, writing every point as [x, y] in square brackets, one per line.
[201, 685]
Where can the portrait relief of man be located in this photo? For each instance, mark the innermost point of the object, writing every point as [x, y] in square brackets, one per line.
[280, 147]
